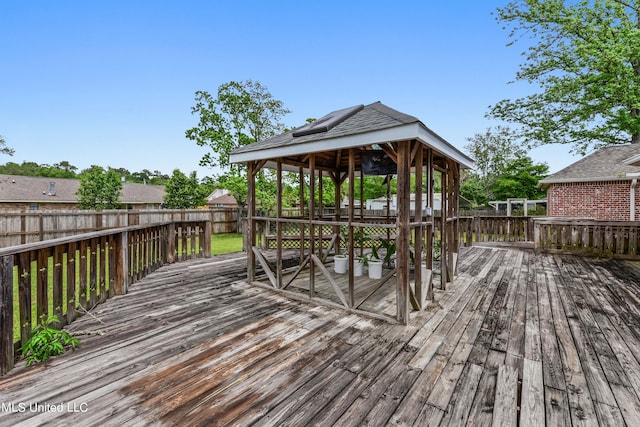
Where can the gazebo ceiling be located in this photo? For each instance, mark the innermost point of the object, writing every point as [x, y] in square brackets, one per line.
[365, 128]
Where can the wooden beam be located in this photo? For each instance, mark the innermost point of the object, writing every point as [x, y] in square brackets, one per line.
[372, 290]
[443, 233]
[403, 233]
[417, 154]
[278, 224]
[301, 267]
[265, 266]
[350, 246]
[428, 281]
[251, 224]
[312, 231]
[329, 277]
[301, 196]
[390, 152]
[6, 314]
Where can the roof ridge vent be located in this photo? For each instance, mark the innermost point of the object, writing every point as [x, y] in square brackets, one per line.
[325, 123]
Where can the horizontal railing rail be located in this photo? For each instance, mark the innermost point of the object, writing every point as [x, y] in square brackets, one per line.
[68, 276]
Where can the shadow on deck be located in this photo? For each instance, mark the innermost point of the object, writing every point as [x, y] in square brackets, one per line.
[517, 336]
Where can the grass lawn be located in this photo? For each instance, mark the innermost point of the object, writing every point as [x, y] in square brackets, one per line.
[225, 243]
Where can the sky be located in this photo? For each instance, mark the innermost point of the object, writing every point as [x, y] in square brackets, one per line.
[112, 83]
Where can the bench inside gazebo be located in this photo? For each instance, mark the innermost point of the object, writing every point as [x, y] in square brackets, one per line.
[345, 146]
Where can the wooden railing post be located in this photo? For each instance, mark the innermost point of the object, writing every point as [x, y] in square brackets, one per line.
[207, 239]
[6, 314]
[171, 243]
[536, 235]
[122, 269]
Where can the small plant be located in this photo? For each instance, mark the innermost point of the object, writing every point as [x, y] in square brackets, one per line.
[374, 253]
[390, 250]
[46, 342]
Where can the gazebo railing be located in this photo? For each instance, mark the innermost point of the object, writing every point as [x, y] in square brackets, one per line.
[330, 237]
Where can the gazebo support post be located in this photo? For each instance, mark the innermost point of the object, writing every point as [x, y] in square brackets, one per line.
[251, 223]
[301, 195]
[279, 223]
[454, 200]
[350, 246]
[403, 231]
[419, 231]
[312, 231]
[321, 215]
[430, 228]
[444, 243]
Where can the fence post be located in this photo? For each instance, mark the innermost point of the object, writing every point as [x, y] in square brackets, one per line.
[122, 268]
[6, 314]
[536, 235]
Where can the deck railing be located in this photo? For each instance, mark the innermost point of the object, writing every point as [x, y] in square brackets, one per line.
[603, 238]
[495, 229]
[68, 276]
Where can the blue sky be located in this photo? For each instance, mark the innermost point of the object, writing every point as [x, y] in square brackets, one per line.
[112, 83]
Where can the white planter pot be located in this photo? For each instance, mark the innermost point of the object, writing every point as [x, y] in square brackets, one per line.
[375, 269]
[340, 264]
[358, 268]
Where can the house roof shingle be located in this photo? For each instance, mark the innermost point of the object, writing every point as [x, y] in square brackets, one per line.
[19, 188]
[606, 164]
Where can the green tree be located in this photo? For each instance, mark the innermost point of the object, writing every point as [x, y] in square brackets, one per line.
[99, 189]
[242, 113]
[585, 58]
[184, 192]
[492, 152]
[519, 178]
[4, 149]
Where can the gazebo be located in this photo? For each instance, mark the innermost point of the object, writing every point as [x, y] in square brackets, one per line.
[345, 146]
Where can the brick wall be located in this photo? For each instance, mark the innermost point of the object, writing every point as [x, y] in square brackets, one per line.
[606, 200]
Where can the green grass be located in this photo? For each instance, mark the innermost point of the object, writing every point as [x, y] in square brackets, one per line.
[225, 243]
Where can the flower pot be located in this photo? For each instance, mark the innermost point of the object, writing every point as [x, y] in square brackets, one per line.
[375, 269]
[340, 263]
[358, 268]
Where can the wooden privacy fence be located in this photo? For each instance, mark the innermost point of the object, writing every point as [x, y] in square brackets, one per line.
[18, 228]
[68, 276]
[603, 238]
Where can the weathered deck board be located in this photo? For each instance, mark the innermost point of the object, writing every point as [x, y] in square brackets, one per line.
[517, 338]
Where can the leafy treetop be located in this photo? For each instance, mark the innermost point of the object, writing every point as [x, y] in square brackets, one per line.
[585, 58]
[242, 113]
[99, 189]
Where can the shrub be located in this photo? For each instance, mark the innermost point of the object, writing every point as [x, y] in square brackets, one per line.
[46, 342]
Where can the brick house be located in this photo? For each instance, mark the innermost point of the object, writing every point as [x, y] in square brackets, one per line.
[601, 186]
[32, 193]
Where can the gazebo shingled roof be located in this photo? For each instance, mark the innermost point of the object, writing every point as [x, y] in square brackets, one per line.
[333, 146]
[371, 124]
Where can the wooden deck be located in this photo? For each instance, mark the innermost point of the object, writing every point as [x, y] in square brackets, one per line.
[517, 337]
